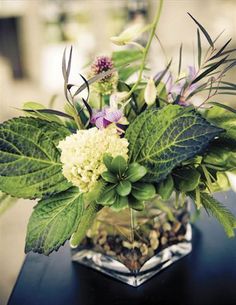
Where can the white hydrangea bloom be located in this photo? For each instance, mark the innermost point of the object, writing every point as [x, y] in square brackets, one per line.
[82, 154]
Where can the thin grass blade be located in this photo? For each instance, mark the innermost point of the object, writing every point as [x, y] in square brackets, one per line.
[209, 70]
[180, 58]
[205, 33]
[199, 48]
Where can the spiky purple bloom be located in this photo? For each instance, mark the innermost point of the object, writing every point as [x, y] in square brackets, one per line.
[102, 64]
[106, 117]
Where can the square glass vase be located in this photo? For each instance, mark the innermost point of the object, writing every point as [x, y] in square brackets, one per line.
[133, 246]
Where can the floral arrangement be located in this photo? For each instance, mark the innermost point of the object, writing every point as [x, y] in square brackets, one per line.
[126, 143]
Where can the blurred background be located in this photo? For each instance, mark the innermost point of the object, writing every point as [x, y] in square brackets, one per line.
[33, 35]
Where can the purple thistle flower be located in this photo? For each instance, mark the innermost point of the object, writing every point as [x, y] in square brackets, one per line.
[102, 64]
[105, 117]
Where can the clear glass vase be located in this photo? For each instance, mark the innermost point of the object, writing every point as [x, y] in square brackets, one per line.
[133, 246]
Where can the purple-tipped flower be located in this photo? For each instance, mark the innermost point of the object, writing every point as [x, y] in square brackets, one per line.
[106, 117]
[102, 64]
[106, 85]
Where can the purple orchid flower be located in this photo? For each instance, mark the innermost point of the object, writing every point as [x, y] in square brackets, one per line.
[175, 89]
[105, 117]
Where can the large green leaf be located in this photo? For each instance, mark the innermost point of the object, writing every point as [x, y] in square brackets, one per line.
[221, 156]
[85, 223]
[162, 139]
[186, 179]
[53, 221]
[225, 119]
[125, 57]
[29, 159]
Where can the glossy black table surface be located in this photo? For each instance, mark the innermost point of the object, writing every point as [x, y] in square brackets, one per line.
[207, 276]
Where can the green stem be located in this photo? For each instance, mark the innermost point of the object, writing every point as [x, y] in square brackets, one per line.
[132, 225]
[85, 223]
[146, 49]
[78, 121]
[100, 101]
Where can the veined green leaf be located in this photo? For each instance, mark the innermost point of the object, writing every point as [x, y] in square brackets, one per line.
[85, 222]
[53, 221]
[30, 164]
[162, 139]
[224, 119]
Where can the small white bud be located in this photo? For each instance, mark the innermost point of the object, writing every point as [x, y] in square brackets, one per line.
[129, 34]
[150, 92]
[117, 98]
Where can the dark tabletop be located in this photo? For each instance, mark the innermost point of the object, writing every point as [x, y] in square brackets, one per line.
[207, 276]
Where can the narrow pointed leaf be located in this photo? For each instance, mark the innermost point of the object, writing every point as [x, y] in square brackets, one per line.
[203, 31]
[69, 63]
[94, 79]
[199, 47]
[226, 107]
[50, 111]
[159, 78]
[221, 50]
[64, 65]
[209, 70]
[30, 164]
[180, 58]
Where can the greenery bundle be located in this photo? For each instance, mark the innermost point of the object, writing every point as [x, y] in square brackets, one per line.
[126, 143]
